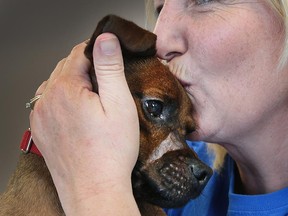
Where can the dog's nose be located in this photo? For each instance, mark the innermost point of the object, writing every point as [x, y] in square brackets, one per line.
[201, 172]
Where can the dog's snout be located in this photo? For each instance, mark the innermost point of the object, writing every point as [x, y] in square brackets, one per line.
[173, 179]
[201, 172]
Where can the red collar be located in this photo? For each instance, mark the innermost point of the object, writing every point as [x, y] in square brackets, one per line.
[27, 145]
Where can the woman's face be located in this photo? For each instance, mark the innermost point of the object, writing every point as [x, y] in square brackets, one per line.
[225, 53]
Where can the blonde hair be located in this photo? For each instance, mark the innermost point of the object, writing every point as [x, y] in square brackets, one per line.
[150, 14]
[280, 6]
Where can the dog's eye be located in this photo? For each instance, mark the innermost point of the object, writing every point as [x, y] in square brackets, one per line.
[154, 108]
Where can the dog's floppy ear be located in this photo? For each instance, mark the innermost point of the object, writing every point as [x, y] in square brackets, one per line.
[134, 40]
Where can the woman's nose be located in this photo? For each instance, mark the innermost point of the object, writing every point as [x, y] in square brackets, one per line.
[170, 39]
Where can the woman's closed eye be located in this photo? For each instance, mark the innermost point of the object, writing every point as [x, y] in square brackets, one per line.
[200, 2]
[189, 3]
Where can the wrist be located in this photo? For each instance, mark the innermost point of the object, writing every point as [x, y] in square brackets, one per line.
[109, 198]
[106, 204]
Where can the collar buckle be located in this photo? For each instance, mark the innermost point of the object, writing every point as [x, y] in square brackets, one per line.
[27, 145]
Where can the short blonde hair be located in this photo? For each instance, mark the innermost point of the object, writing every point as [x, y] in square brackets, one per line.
[280, 6]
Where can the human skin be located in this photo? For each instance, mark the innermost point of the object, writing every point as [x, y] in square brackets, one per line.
[88, 150]
[226, 54]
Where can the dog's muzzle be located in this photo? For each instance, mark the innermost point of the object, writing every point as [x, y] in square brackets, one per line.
[172, 180]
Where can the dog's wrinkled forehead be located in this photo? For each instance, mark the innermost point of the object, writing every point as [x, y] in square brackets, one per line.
[135, 41]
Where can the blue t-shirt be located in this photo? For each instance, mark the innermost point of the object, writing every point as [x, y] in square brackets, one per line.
[218, 197]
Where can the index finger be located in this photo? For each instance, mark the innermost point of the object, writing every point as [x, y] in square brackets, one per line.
[77, 63]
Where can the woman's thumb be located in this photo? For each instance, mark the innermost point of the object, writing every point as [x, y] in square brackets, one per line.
[109, 69]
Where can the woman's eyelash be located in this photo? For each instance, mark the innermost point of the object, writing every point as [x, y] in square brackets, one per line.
[194, 2]
[201, 2]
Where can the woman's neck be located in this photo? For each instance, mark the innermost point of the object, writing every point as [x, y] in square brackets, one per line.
[261, 158]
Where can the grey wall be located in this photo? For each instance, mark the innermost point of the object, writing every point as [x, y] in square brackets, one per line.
[34, 36]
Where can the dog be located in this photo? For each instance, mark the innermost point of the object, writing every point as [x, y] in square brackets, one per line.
[167, 173]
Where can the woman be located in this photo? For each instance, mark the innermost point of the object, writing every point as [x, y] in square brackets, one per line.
[230, 56]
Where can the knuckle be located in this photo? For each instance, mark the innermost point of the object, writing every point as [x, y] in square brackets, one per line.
[41, 88]
[57, 86]
[109, 69]
[78, 48]
[61, 62]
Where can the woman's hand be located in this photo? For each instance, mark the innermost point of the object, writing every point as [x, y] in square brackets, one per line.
[90, 142]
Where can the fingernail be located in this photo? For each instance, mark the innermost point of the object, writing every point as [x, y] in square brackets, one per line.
[108, 46]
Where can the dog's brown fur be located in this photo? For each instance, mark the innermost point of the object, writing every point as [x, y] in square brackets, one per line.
[31, 191]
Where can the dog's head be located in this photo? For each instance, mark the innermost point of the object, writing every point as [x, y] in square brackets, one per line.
[168, 173]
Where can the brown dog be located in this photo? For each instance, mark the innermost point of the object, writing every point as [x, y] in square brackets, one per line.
[167, 174]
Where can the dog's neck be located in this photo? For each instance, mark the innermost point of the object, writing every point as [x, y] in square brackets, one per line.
[31, 190]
